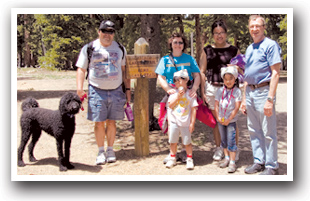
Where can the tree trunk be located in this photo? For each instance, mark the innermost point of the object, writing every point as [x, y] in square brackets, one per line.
[179, 17]
[198, 37]
[150, 30]
[27, 46]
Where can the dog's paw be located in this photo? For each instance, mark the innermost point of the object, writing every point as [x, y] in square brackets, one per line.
[62, 168]
[21, 164]
[32, 159]
[70, 166]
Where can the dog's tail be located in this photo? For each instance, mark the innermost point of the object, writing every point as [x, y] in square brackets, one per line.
[29, 103]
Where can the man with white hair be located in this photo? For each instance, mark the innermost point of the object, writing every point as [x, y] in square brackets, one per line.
[262, 72]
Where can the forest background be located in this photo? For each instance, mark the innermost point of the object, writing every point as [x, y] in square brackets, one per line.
[53, 41]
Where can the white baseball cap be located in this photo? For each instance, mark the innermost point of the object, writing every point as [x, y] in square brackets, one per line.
[181, 73]
[230, 69]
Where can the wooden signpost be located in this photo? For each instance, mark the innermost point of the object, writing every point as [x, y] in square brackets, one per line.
[141, 66]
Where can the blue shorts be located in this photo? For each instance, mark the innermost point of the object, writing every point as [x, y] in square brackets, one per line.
[105, 104]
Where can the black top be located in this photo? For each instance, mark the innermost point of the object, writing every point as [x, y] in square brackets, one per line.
[216, 59]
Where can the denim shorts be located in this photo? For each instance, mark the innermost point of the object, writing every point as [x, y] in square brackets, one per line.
[228, 136]
[105, 104]
[175, 131]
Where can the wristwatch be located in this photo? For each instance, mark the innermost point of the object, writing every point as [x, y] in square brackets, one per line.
[270, 99]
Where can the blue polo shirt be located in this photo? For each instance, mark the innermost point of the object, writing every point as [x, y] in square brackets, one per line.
[167, 69]
[259, 57]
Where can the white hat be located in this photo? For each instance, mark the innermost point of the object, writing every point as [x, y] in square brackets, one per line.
[230, 69]
[181, 73]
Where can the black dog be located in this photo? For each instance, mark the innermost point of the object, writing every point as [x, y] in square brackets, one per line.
[59, 123]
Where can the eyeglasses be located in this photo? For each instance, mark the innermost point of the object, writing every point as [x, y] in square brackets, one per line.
[176, 42]
[220, 33]
[107, 31]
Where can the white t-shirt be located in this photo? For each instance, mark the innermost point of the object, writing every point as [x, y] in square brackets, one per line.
[105, 69]
[181, 113]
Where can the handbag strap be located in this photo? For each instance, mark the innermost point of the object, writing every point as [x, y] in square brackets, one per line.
[172, 61]
[189, 83]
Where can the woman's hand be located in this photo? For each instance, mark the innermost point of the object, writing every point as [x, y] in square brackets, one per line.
[205, 102]
[193, 93]
[171, 91]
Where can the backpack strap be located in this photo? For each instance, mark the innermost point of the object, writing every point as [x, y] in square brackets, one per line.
[122, 48]
[90, 50]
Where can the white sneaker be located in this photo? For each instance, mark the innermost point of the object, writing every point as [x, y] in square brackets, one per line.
[166, 159]
[101, 160]
[189, 164]
[218, 154]
[171, 162]
[111, 158]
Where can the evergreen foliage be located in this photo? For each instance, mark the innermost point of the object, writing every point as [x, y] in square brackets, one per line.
[54, 40]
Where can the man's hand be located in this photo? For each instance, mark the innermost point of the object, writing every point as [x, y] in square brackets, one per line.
[268, 108]
[80, 93]
[243, 107]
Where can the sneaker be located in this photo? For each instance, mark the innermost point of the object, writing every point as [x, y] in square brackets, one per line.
[111, 156]
[166, 159]
[171, 162]
[270, 171]
[225, 163]
[101, 160]
[189, 164]
[183, 156]
[254, 168]
[232, 168]
[218, 154]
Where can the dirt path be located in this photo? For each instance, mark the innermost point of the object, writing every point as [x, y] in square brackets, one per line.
[48, 87]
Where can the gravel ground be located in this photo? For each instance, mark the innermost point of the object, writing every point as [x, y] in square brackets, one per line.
[48, 87]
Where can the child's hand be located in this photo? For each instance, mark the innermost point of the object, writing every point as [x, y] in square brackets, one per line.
[226, 122]
[191, 128]
[181, 92]
[219, 120]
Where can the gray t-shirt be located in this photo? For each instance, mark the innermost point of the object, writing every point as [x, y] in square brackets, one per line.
[105, 69]
[227, 101]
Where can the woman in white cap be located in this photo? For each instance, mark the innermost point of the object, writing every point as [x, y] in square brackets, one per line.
[227, 103]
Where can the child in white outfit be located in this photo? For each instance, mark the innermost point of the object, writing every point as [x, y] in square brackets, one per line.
[181, 119]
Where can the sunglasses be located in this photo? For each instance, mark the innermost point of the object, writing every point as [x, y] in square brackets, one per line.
[177, 78]
[176, 42]
[107, 31]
